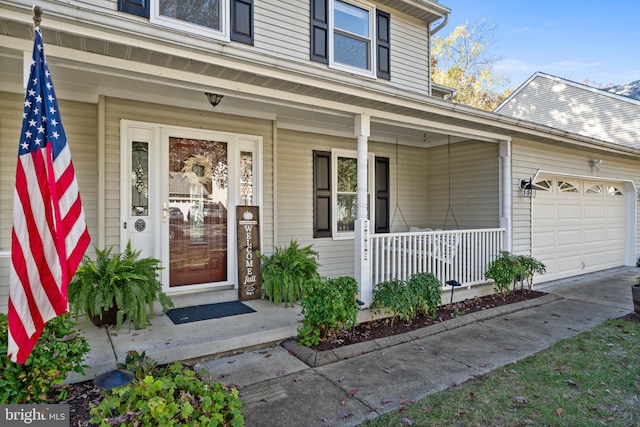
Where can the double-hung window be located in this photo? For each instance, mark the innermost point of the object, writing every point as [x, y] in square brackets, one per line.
[345, 181]
[210, 17]
[222, 20]
[351, 35]
[335, 193]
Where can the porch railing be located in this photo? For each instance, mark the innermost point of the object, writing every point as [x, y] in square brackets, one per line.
[462, 255]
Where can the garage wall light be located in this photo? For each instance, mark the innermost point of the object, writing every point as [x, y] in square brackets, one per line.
[526, 185]
[595, 164]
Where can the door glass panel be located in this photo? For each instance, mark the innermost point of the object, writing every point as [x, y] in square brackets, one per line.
[197, 211]
[246, 177]
[139, 179]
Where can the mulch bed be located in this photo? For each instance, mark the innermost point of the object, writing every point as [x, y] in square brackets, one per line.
[383, 328]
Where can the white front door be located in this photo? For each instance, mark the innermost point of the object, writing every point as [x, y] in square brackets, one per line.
[182, 187]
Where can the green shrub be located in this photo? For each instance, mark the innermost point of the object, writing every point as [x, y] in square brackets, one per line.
[509, 268]
[170, 396]
[285, 272]
[60, 349]
[503, 271]
[528, 267]
[328, 305]
[396, 296]
[422, 293]
[427, 292]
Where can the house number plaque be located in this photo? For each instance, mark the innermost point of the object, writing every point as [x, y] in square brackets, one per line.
[249, 277]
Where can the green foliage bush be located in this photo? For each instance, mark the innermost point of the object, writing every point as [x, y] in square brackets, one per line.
[125, 280]
[328, 305]
[170, 396]
[427, 291]
[60, 349]
[285, 272]
[406, 300]
[509, 268]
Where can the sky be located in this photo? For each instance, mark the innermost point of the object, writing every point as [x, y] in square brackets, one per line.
[592, 42]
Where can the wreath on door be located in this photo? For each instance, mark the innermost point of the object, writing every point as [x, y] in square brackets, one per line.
[198, 170]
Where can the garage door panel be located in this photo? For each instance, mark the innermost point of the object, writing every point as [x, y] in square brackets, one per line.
[569, 237]
[544, 239]
[593, 211]
[574, 233]
[615, 212]
[594, 236]
[545, 212]
[570, 212]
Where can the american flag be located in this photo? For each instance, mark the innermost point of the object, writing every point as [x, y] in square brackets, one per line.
[50, 234]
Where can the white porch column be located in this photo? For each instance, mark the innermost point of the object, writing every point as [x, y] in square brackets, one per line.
[362, 263]
[506, 193]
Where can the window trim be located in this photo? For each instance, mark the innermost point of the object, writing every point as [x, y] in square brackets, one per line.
[225, 23]
[335, 153]
[372, 42]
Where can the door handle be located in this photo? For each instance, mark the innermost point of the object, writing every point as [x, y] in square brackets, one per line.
[164, 212]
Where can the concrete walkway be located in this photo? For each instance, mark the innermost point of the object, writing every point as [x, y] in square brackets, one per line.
[277, 389]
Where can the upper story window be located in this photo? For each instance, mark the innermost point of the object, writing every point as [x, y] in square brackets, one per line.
[222, 20]
[352, 30]
[351, 35]
[205, 16]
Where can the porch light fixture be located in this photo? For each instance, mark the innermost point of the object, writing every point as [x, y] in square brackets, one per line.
[527, 188]
[595, 164]
[214, 98]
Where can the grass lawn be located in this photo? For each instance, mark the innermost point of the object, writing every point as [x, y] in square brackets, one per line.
[592, 379]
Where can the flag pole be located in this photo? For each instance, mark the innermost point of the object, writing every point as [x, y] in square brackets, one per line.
[37, 15]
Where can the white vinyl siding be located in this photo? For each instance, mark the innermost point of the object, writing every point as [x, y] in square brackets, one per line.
[474, 170]
[80, 123]
[117, 109]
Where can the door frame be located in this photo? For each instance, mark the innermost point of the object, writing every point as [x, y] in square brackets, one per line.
[159, 190]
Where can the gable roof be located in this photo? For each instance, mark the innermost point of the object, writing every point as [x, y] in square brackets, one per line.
[576, 108]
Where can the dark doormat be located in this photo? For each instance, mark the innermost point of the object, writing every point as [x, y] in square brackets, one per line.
[196, 313]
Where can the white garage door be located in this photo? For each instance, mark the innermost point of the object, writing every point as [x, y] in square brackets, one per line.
[578, 226]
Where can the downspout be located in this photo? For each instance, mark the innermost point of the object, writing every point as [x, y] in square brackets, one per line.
[431, 33]
[440, 25]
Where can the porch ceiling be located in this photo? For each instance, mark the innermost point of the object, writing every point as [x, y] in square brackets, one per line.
[95, 66]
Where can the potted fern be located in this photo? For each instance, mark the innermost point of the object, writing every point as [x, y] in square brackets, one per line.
[115, 287]
[285, 272]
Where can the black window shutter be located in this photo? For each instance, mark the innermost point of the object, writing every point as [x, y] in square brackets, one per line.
[382, 195]
[321, 194]
[383, 45]
[242, 21]
[135, 7]
[319, 31]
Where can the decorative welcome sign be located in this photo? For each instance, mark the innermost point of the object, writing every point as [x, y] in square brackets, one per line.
[249, 277]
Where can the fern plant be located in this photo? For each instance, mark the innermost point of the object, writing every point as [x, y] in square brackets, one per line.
[285, 272]
[125, 281]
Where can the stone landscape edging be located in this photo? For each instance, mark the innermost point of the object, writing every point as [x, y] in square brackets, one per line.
[314, 358]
